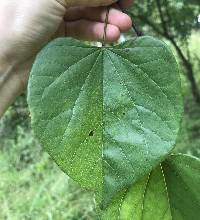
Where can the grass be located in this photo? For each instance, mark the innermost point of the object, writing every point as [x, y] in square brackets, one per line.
[32, 186]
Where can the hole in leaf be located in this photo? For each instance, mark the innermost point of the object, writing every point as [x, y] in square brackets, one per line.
[91, 133]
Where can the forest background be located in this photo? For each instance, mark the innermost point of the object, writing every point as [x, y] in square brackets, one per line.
[33, 187]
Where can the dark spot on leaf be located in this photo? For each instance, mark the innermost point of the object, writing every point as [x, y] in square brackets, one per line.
[91, 133]
[124, 113]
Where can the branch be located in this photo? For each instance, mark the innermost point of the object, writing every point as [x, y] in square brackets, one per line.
[151, 24]
[163, 22]
[186, 62]
[167, 11]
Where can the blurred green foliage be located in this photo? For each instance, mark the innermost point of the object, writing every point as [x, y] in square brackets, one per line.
[33, 187]
[188, 140]
[189, 137]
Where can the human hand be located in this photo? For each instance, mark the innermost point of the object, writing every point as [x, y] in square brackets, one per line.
[26, 26]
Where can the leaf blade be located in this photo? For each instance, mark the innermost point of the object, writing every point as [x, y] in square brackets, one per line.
[100, 116]
[183, 179]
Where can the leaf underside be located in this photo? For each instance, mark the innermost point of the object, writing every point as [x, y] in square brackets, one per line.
[107, 116]
[170, 192]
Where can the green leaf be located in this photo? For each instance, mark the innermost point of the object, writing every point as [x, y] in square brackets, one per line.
[171, 192]
[182, 175]
[101, 113]
[147, 199]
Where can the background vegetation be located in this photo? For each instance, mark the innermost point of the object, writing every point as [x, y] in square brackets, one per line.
[33, 187]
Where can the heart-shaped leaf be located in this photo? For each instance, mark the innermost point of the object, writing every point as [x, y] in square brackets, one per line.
[108, 115]
[170, 192]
